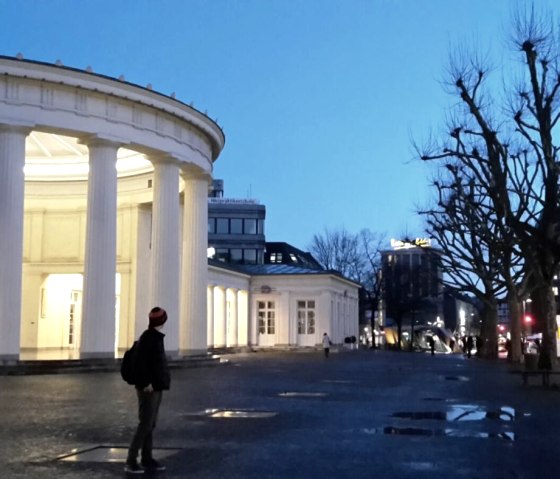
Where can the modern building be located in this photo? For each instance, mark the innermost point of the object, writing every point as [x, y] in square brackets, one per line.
[104, 213]
[235, 227]
[412, 288]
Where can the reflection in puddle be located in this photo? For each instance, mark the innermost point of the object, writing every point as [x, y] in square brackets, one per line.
[238, 413]
[301, 394]
[415, 431]
[462, 412]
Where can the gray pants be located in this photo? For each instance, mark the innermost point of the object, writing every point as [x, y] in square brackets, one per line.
[148, 407]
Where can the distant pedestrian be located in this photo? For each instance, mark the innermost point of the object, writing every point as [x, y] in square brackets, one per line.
[469, 346]
[152, 378]
[432, 344]
[326, 344]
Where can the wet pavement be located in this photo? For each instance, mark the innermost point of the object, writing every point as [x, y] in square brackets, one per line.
[358, 414]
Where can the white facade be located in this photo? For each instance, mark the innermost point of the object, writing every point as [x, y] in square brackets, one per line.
[105, 164]
[103, 208]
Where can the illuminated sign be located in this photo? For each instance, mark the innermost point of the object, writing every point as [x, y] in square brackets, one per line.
[416, 243]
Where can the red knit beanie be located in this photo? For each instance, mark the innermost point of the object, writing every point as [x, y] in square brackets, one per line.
[157, 317]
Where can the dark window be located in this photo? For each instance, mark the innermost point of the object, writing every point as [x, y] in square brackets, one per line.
[236, 226]
[211, 225]
[260, 256]
[236, 255]
[250, 226]
[222, 226]
[260, 227]
[250, 256]
[222, 254]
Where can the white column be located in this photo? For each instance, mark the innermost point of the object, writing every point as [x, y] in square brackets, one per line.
[220, 319]
[243, 318]
[210, 315]
[98, 313]
[234, 318]
[194, 277]
[165, 256]
[12, 188]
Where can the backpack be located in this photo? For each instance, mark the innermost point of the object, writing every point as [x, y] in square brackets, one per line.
[128, 364]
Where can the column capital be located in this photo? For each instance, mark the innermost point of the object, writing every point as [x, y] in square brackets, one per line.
[20, 129]
[101, 140]
[163, 159]
[193, 172]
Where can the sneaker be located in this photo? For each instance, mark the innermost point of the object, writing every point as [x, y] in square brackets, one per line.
[133, 468]
[153, 465]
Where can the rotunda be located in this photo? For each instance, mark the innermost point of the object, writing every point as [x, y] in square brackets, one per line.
[103, 212]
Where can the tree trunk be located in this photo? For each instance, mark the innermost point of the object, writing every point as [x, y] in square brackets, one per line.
[544, 312]
[515, 320]
[489, 333]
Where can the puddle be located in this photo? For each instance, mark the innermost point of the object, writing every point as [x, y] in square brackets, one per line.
[416, 431]
[239, 413]
[301, 394]
[460, 413]
[456, 378]
[108, 454]
[232, 413]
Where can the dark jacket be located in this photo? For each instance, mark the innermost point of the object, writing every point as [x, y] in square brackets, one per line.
[151, 362]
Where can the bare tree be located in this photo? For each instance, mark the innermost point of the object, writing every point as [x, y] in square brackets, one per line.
[510, 152]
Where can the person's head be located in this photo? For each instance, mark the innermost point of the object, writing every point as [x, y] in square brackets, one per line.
[157, 317]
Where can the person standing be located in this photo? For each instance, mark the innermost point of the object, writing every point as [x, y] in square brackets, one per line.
[151, 379]
[326, 344]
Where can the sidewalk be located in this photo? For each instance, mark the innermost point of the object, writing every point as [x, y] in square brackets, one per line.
[358, 414]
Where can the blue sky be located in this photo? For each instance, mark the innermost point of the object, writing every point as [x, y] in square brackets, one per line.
[319, 99]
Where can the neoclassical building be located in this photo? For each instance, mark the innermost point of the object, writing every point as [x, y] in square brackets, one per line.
[103, 214]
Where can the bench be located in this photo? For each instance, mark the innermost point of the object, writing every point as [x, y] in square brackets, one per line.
[544, 373]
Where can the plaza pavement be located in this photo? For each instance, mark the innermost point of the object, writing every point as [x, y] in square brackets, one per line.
[358, 414]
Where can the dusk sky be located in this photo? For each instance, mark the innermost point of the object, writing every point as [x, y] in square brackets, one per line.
[319, 99]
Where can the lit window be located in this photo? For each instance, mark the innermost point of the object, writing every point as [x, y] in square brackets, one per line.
[293, 257]
[306, 317]
[275, 257]
[266, 317]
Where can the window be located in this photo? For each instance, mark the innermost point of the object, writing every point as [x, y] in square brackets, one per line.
[250, 226]
[260, 256]
[260, 227]
[236, 226]
[236, 255]
[222, 226]
[266, 317]
[222, 254]
[250, 256]
[211, 225]
[306, 317]
[275, 257]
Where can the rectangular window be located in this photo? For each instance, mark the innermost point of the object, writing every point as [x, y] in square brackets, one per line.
[250, 226]
[260, 256]
[222, 226]
[236, 255]
[236, 226]
[222, 254]
[276, 257]
[266, 317]
[306, 317]
[250, 256]
[260, 227]
[211, 226]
